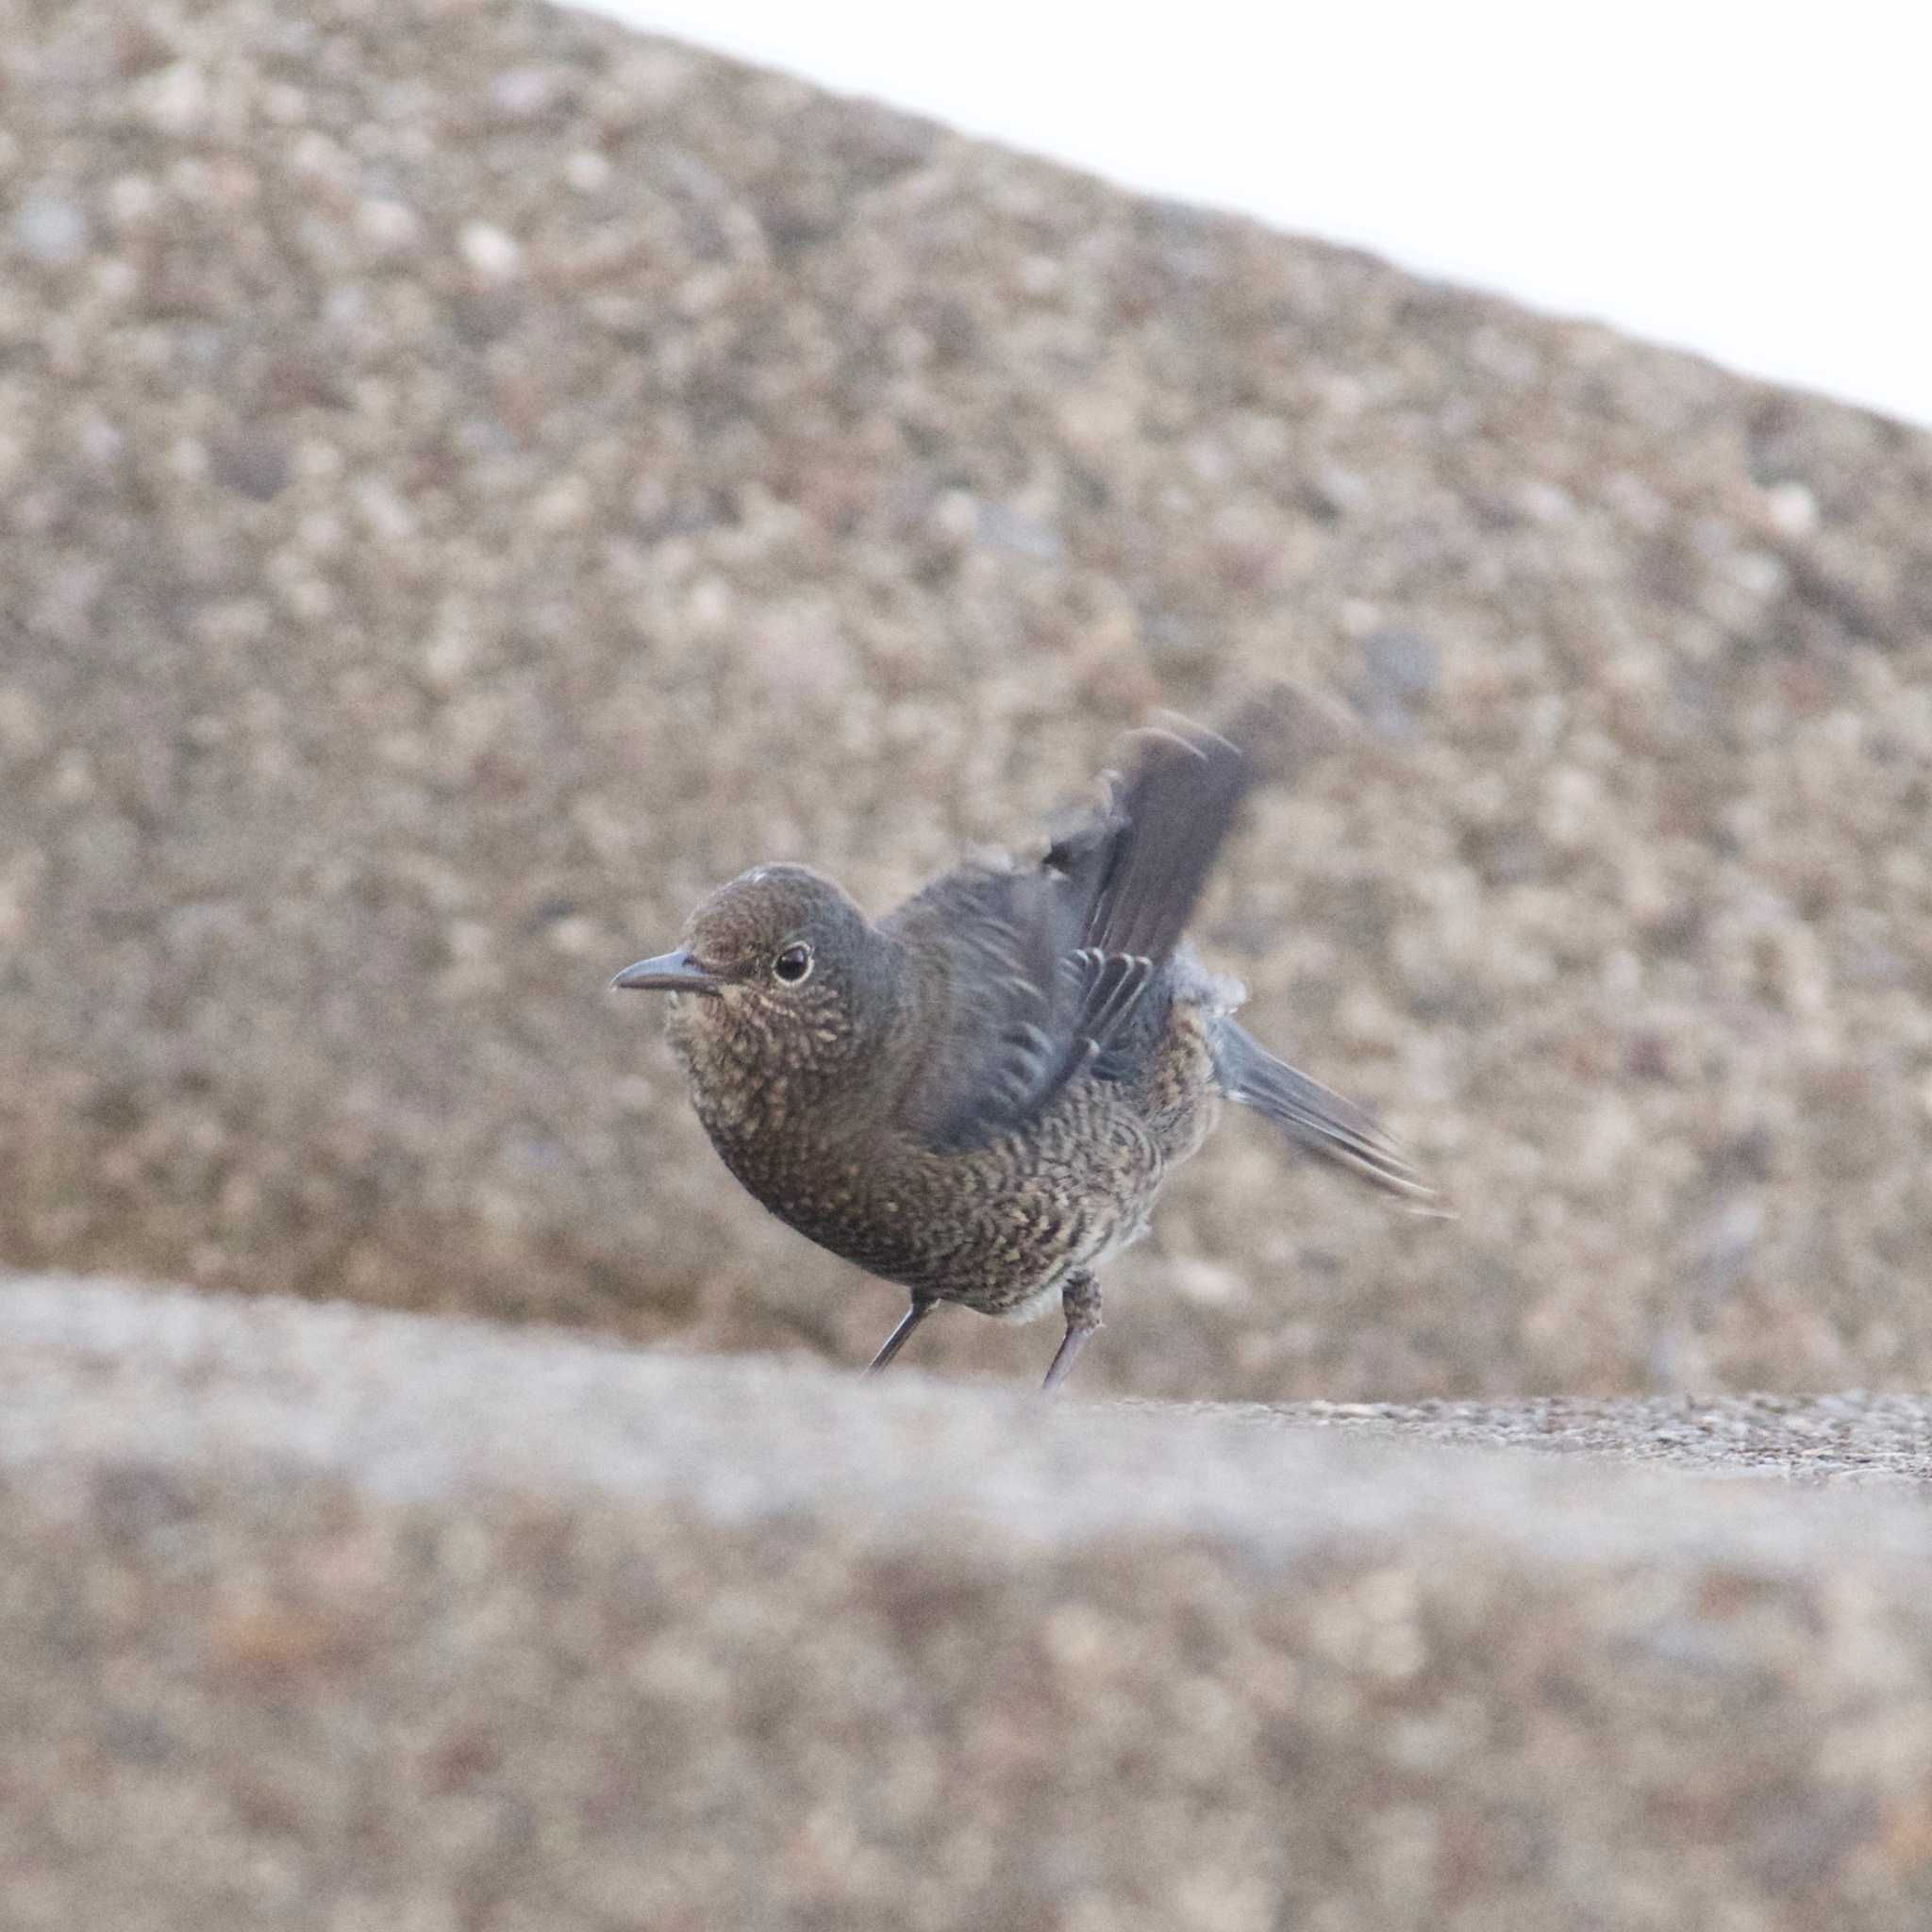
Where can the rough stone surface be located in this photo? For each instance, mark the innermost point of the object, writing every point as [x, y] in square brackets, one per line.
[320, 1617]
[1855, 1436]
[471, 477]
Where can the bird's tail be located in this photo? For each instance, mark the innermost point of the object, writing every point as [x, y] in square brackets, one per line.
[1313, 1117]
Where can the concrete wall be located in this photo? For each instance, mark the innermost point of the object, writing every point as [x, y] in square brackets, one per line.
[327, 1618]
[470, 478]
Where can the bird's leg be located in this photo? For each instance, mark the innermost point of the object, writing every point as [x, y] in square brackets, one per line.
[1080, 1297]
[896, 1340]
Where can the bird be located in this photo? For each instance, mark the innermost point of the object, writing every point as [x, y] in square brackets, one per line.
[979, 1096]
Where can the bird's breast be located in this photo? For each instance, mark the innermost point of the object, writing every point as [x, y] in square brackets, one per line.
[995, 1225]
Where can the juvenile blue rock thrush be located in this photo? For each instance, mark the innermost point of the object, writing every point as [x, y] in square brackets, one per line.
[979, 1095]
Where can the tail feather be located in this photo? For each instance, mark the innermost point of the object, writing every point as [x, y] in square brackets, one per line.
[1313, 1117]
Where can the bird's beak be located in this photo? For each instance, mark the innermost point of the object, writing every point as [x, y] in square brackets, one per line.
[668, 973]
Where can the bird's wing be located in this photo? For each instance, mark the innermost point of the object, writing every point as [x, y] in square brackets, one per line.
[1033, 975]
[987, 950]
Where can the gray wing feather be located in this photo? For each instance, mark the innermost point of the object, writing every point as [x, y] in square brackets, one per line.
[1048, 969]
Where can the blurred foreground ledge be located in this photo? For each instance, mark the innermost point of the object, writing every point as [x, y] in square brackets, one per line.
[315, 1616]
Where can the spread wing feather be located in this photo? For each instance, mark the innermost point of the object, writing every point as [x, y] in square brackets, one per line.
[1031, 976]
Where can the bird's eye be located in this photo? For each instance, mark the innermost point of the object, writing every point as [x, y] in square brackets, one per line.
[793, 964]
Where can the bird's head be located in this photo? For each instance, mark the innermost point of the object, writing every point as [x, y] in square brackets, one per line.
[776, 969]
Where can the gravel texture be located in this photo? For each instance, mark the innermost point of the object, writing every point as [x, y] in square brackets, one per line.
[470, 478]
[319, 1617]
[1855, 1436]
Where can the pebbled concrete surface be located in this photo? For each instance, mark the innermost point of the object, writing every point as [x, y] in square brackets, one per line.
[317, 1617]
[1852, 1437]
[470, 478]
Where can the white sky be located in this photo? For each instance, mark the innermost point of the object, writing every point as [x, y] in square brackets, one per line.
[1754, 182]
